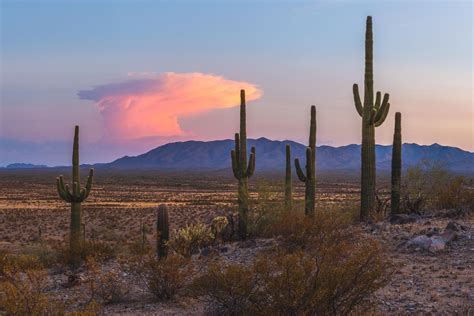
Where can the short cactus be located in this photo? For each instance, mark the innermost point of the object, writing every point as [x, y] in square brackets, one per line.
[373, 115]
[396, 164]
[75, 196]
[310, 178]
[288, 184]
[163, 231]
[242, 171]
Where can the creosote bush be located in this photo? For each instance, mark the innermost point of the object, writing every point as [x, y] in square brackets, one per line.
[163, 277]
[322, 266]
[98, 250]
[105, 287]
[429, 185]
[23, 289]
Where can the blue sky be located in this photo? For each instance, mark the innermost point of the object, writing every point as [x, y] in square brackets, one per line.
[297, 53]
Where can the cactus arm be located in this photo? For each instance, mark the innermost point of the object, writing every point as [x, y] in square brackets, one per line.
[65, 189]
[85, 191]
[235, 156]
[381, 110]
[251, 166]
[235, 164]
[373, 114]
[357, 102]
[380, 117]
[62, 191]
[88, 187]
[299, 171]
[237, 146]
[377, 100]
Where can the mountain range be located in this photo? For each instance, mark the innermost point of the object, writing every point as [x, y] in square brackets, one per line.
[215, 155]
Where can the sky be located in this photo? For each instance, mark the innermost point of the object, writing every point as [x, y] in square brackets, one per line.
[138, 74]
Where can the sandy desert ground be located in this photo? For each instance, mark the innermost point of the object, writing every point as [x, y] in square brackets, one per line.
[437, 282]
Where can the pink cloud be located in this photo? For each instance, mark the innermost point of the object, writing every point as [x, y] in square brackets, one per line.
[150, 107]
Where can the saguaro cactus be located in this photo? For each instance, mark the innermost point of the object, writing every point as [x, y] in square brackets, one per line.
[288, 185]
[373, 115]
[242, 171]
[310, 178]
[396, 164]
[163, 231]
[75, 196]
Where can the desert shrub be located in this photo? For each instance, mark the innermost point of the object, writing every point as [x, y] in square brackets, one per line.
[105, 287]
[140, 246]
[23, 289]
[99, 251]
[188, 240]
[454, 194]
[163, 277]
[10, 263]
[337, 281]
[228, 290]
[265, 212]
[45, 254]
[91, 309]
[421, 185]
[297, 231]
[430, 185]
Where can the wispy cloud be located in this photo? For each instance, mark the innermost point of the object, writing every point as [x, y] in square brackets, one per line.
[151, 106]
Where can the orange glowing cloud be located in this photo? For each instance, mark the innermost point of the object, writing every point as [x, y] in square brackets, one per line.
[150, 107]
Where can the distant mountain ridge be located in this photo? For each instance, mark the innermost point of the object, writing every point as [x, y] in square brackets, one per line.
[25, 166]
[215, 155]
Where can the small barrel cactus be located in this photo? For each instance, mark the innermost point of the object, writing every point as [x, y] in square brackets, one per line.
[163, 231]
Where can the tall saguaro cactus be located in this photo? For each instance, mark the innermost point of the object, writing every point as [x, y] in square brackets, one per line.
[288, 185]
[242, 171]
[310, 178]
[163, 231]
[373, 115]
[75, 196]
[396, 164]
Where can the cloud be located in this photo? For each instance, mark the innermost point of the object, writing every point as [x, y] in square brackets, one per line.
[151, 106]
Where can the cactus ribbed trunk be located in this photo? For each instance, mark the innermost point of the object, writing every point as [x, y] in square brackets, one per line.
[75, 196]
[163, 231]
[310, 177]
[373, 113]
[288, 184]
[242, 171]
[75, 233]
[396, 164]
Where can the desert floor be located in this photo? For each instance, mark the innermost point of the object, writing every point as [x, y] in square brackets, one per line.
[424, 281]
